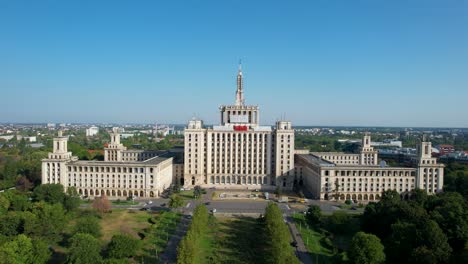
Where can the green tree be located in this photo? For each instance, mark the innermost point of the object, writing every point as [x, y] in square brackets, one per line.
[88, 225]
[186, 252]
[11, 224]
[84, 249]
[450, 211]
[200, 219]
[4, 204]
[48, 222]
[176, 201]
[71, 200]
[277, 232]
[18, 202]
[10, 169]
[409, 239]
[197, 191]
[123, 246]
[115, 261]
[366, 249]
[313, 214]
[419, 196]
[338, 222]
[22, 250]
[50, 193]
[41, 251]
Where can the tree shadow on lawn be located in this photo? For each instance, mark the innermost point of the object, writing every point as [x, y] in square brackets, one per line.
[241, 240]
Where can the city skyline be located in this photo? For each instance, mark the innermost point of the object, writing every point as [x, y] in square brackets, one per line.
[321, 64]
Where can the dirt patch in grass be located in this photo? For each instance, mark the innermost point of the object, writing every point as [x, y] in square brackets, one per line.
[123, 221]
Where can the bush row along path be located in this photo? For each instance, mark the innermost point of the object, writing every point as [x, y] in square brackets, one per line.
[170, 253]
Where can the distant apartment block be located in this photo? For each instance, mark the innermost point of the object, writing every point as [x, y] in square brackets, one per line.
[92, 131]
[445, 149]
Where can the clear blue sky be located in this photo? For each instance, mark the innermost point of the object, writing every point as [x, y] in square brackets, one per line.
[375, 62]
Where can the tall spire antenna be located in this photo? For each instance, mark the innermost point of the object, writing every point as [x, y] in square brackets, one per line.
[240, 88]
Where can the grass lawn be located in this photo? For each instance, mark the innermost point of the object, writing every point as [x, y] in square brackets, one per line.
[188, 195]
[123, 221]
[322, 248]
[156, 236]
[233, 240]
[124, 202]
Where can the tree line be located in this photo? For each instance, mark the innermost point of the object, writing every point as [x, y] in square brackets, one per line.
[188, 251]
[424, 229]
[278, 237]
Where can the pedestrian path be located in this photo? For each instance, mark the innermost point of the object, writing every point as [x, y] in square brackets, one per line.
[301, 250]
[170, 253]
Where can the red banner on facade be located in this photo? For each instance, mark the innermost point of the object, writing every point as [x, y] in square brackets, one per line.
[240, 128]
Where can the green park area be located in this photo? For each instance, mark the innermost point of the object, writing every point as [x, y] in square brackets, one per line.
[48, 226]
[327, 243]
[211, 239]
[233, 240]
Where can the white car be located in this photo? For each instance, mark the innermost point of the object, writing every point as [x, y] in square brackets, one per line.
[150, 202]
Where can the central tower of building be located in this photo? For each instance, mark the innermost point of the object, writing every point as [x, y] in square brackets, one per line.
[239, 152]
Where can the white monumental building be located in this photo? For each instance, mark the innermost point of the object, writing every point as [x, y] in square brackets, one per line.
[360, 177]
[92, 131]
[123, 173]
[239, 152]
